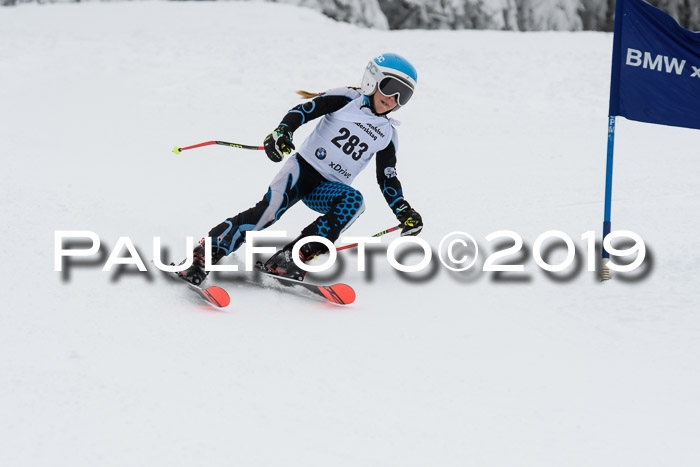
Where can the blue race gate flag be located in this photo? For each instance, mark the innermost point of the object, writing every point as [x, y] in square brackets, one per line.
[655, 68]
[655, 79]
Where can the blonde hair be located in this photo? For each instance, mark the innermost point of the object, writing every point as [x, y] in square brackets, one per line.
[307, 94]
[311, 95]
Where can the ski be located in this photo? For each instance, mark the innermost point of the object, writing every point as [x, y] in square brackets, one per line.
[214, 295]
[341, 294]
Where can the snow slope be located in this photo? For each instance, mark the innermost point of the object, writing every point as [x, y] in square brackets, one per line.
[506, 131]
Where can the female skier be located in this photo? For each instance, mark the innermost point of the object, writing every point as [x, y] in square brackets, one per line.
[354, 127]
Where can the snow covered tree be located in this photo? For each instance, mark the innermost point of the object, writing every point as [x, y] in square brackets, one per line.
[597, 15]
[362, 12]
[450, 14]
[523, 15]
[549, 15]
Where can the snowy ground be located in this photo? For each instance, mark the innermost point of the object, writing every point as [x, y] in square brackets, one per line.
[506, 131]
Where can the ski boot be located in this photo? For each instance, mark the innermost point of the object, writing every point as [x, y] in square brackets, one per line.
[196, 273]
[282, 264]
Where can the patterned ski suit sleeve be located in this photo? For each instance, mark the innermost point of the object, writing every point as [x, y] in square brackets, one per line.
[386, 175]
[324, 104]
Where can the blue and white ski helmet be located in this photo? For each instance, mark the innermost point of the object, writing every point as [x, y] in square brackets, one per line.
[392, 75]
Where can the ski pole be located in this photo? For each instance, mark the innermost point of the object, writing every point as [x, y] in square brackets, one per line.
[378, 234]
[177, 149]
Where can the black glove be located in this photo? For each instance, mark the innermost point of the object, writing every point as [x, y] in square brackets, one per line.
[278, 143]
[411, 221]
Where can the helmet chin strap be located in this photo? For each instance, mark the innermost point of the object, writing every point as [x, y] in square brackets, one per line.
[369, 102]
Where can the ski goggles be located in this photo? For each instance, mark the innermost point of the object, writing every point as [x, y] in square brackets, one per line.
[391, 86]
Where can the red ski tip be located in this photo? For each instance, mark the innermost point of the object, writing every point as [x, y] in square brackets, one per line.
[341, 294]
[217, 296]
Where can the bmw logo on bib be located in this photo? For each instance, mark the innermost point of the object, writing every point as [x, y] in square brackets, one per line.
[321, 153]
